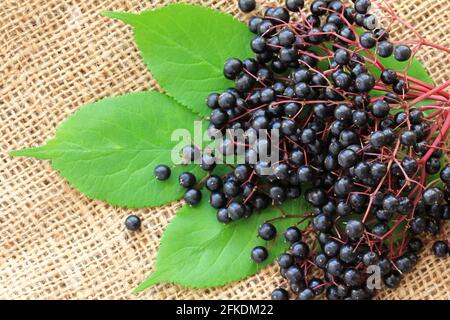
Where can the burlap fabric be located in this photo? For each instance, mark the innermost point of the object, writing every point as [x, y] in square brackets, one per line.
[56, 55]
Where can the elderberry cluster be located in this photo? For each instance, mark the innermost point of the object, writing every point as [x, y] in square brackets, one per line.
[349, 142]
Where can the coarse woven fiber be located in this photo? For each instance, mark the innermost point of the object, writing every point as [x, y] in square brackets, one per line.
[57, 55]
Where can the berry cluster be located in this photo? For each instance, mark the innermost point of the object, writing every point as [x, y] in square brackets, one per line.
[353, 138]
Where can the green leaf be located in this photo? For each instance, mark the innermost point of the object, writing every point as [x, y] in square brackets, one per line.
[185, 47]
[108, 149]
[198, 252]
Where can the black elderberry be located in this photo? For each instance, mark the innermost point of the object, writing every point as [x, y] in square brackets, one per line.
[306, 294]
[279, 15]
[322, 223]
[316, 197]
[440, 249]
[402, 52]
[415, 245]
[187, 180]
[342, 56]
[354, 229]
[277, 194]
[347, 158]
[389, 77]
[222, 216]
[232, 68]
[332, 293]
[133, 222]
[404, 264]
[294, 5]
[294, 274]
[362, 6]
[192, 196]
[408, 138]
[280, 294]
[267, 231]
[292, 234]
[331, 248]
[227, 100]
[259, 44]
[316, 285]
[162, 172]
[300, 250]
[212, 101]
[285, 260]
[392, 279]
[368, 40]
[305, 173]
[385, 49]
[335, 267]
[217, 200]
[342, 80]
[236, 211]
[259, 254]
[343, 186]
[321, 260]
[433, 196]
[352, 277]
[370, 22]
[213, 183]
[253, 24]
[433, 165]
[318, 7]
[400, 87]
[365, 82]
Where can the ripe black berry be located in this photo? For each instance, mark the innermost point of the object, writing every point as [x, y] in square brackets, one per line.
[217, 200]
[187, 180]
[306, 294]
[247, 5]
[222, 216]
[440, 249]
[133, 222]
[292, 234]
[368, 40]
[408, 138]
[285, 260]
[259, 254]
[433, 196]
[236, 211]
[365, 82]
[162, 172]
[354, 229]
[300, 250]
[294, 5]
[402, 52]
[385, 49]
[192, 196]
[341, 56]
[267, 231]
[362, 6]
[280, 294]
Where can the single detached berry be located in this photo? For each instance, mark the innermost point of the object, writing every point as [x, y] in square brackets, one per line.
[162, 172]
[259, 254]
[133, 222]
[440, 249]
[247, 5]
[267, 231]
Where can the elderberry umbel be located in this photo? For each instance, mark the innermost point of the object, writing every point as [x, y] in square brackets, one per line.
[361, 143]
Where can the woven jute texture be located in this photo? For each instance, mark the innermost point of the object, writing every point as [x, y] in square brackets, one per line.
[57, 55]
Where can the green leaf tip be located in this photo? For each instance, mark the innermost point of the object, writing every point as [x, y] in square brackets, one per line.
[126, 17]
[37, 152]
[147, 283]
